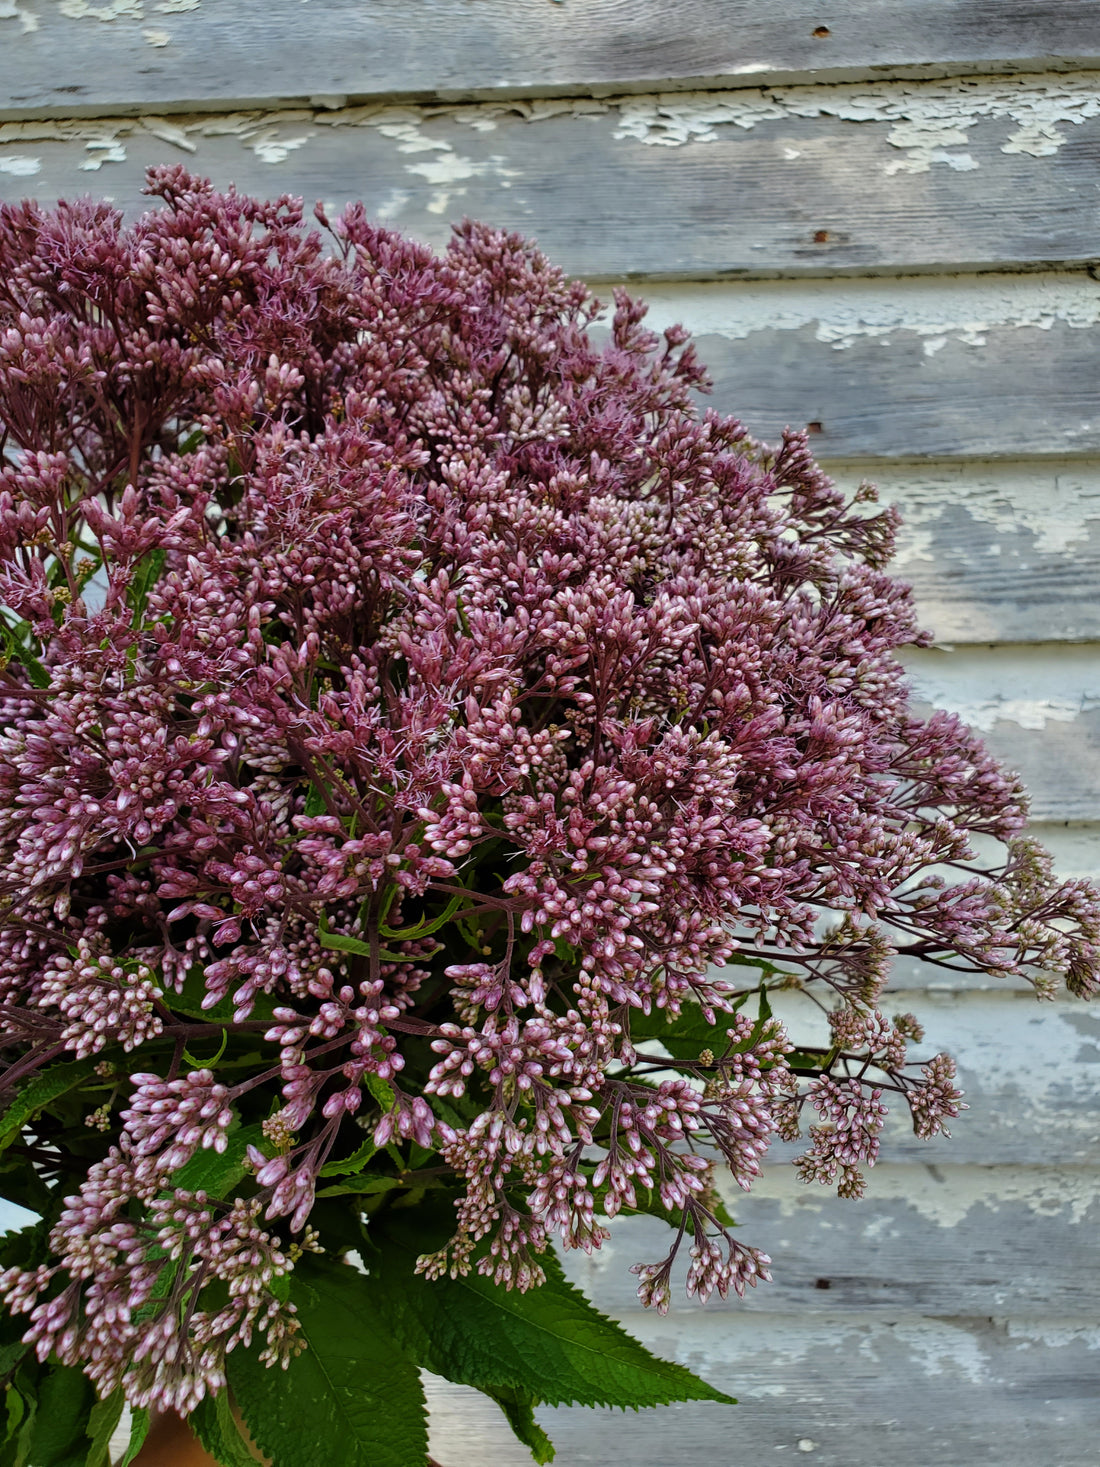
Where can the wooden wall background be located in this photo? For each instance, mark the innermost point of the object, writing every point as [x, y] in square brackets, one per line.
[881, 218]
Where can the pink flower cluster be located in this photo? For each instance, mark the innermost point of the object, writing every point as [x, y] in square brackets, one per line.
[405, 688]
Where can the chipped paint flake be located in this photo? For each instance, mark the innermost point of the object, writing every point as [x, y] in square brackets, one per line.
[168, 132]
[944, 1195]
[956, 308]
[28, 20]
[1058, 507]
[19, 165]
[272, 147]
[109, 10]
[929, 119]
[156, 37]
[1027, 686]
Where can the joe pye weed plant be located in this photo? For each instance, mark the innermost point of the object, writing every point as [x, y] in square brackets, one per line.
[426, 737]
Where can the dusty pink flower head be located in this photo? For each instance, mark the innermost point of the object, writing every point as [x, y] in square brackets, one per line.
[416, 710]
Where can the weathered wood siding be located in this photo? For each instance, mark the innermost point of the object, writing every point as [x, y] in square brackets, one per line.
[880, 219]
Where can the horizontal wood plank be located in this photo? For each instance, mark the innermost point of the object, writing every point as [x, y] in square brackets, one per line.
[852, 1391]
[940, 1241]
[988, 366]
[1005, 552]
[167, 56]
[820, 180]
[1036, 707]
[1029, 1070]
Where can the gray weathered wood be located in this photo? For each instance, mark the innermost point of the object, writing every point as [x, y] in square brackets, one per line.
[996, 552]
[1026, 392]
[902, 176]
[1037, 708]
[850, 1391]
[1030, 1072]
[167, 56]
[940, 1241]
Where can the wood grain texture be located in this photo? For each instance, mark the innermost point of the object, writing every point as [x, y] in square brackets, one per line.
[914, 368]
[168, 57]
[996, 551]
[1036, 707]
[816, 181]
[848, 1391]
[1030, 1072]
[940, 1241]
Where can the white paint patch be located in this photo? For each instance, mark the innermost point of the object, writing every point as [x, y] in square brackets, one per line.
[1058, 507]
[28, 20]
[958, 308]
[156, 37]
[944, 1196]
[927, 119]
[20, 166]
[1052, 1334]
[169, 132]
[103, 149]
[942, 1348]
[392, 205]
[1031, 686]
[272, 147]
[109, 10]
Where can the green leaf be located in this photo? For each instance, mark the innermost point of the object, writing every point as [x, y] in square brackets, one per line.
[315, 801]
[43, 1089]
[518, 1407]
[686, 1036]
[17, 645]
[139, 1430]
[218, 1172]
[350, 1164]
[146, 574]
[363, 1186]
[549, 1343]
[351, 1399]
[105, 1416]
[213, 1424]
[421, 929]
[21, 1410]
[337, 942]
[65, 1400]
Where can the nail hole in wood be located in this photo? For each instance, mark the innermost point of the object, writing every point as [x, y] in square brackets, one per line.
[823, 1283]
[815, 427]
[821, 32]
[821, 236]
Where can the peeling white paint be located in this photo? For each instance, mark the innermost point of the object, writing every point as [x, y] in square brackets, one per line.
[270, 147]
[169, 132]
[942, 1195]
[1026, 685]
[156, 37]
[1052, 1334]
[943, 308]
[103, 149]
[28, 19]
[19, 165]
[941, 1347]
[929, 122]
[928, 119]
[110, 10]
[1058, 506]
